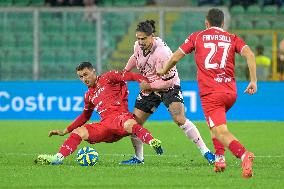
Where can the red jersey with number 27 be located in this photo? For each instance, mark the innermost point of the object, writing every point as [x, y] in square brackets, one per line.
[215, 59]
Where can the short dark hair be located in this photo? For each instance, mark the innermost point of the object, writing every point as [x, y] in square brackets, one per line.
[147, 27]
[83, 65]
[215, 17]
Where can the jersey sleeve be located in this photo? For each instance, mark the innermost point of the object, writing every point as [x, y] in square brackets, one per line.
[189, 44]
[117, 77]
[131, 63]
[132, 60]
[240, 44]
[84, 116]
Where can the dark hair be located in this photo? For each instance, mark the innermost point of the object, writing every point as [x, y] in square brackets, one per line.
[215, 17]
[147, 26]
[83, 65]
[259, 49]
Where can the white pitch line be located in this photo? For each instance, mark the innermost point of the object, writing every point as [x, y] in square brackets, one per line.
[173, 156]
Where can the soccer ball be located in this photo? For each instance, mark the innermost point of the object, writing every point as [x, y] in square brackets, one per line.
[87, 156]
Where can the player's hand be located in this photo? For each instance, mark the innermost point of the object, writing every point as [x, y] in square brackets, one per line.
[251, 88]
[56, 132]
[145, 86]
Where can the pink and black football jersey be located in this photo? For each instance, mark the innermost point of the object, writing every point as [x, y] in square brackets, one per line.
[215, 59]
[109, 96]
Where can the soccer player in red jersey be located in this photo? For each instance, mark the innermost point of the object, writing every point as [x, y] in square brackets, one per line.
[107, 94]
[214, 56]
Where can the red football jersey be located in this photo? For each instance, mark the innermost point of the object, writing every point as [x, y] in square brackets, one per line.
[109, 96]
[215, 59]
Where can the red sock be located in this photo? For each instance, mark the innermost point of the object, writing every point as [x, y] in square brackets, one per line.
[236, 148]
[143, 134]
[70, 144]
[218, 146]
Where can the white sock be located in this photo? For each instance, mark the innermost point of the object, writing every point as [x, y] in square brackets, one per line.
[243, 156]
[138, 147]
[218, 157]
[60, 156]
[193, 134]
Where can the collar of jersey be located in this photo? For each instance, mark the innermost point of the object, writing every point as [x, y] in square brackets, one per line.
[217, 28]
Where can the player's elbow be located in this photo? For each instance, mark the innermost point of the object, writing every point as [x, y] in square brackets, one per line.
[247, 53]
[87, 114]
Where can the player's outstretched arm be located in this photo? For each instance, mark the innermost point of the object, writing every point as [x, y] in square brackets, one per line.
[80, 120]
[130, 76]
[171, 62]
[250, 58]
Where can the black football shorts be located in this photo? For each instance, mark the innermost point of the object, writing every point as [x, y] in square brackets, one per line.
[150, 102]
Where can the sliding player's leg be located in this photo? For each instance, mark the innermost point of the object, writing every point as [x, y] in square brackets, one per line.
[67, 148]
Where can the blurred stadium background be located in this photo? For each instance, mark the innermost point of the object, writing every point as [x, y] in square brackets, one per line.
[44, 40]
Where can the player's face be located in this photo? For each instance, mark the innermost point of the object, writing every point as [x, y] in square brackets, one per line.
[145, 42]
[88, 76]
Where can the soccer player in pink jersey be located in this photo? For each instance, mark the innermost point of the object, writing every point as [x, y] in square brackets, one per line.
[107, 95]
[150, 54]
[214, 56]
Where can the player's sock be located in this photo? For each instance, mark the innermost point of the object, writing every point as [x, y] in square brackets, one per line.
[236, 148]
[143, 134]
[138, 147]
[193, 134]
[60, 156]
[218, 146]
[70, 144]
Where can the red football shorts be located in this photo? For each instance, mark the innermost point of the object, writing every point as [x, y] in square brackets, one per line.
[109, 129]
[215, 106]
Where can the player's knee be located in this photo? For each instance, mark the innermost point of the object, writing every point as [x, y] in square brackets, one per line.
[220, 131]
[139, 120]
[82, 132]
[179, 120]
[129, 124]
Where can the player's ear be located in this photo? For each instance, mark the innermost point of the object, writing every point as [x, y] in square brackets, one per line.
[207, 25]
[222, 25]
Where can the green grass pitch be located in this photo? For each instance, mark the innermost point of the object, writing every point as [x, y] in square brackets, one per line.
[181, 166]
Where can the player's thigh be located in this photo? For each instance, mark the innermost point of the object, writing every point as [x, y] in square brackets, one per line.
[147, 103]
[140, 116]
[172, 95]
[98, 132]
